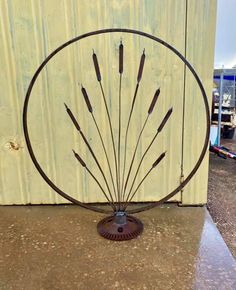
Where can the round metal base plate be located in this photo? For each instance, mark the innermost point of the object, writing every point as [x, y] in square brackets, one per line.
[110, 229]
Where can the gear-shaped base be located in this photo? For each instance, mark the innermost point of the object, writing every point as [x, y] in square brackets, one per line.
[120, 227]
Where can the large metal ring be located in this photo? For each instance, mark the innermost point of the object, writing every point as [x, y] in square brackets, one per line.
[102, 31]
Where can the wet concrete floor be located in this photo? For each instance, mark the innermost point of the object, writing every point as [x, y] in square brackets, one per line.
[57, 247]
[222, 194]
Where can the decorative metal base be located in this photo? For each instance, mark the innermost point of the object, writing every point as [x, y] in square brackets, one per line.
[120, 227]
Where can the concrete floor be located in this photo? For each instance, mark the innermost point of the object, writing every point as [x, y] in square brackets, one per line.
[57, 247]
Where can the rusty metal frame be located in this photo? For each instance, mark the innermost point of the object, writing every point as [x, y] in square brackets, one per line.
[103, 31]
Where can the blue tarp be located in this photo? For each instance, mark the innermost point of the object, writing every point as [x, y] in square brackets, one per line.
[226, 77]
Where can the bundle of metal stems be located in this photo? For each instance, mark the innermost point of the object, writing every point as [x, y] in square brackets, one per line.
[118, 197]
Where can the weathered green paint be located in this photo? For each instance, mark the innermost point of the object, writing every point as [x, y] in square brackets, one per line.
[30, 30]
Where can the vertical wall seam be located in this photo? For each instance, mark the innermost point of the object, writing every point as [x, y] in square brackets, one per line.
[184, 96]
[38, 55]
[48, 109]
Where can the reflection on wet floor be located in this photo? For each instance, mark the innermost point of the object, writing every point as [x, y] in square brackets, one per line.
[57, 247]
[214, 263]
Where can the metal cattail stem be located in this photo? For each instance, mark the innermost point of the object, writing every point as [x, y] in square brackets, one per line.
[93, 176]
[121, 184]
[140, 71]
[97, 70]
[150, 110]
[121, 58]
[90, 109]
[146, 175]
[149, 146]
[90, 149]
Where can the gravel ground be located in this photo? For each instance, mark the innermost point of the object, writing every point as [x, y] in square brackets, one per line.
[222, 194]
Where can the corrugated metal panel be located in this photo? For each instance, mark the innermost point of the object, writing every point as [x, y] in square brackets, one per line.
[201, 34]
[30, 30]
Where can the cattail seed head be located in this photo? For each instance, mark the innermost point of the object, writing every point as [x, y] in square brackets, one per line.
[65, 106]
[96, 66]
[86, 98]
[167, 116]
[79, 158]
[141, 65]
[121, 57]
[72, 118]
[158, 159]
[154, 100]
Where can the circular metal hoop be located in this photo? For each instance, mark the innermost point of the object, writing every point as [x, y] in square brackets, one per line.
[103, 31]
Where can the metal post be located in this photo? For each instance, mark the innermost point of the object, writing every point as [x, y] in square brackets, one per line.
[220, 106]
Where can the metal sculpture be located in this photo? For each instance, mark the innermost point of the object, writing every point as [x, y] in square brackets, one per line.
[119, 225]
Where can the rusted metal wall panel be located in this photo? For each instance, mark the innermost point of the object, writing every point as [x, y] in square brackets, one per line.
[30, 30]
